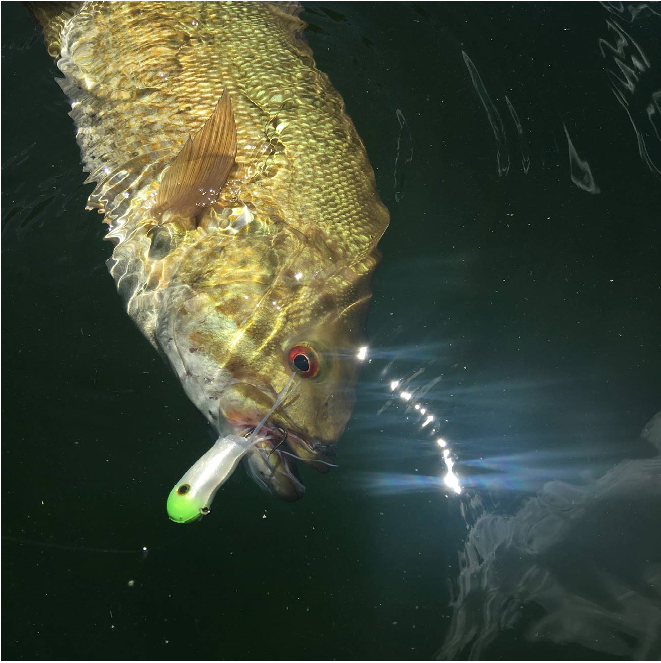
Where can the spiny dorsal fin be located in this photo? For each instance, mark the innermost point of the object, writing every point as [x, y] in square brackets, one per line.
[194, 179]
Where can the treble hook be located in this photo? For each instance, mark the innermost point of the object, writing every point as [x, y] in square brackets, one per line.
[282, 441]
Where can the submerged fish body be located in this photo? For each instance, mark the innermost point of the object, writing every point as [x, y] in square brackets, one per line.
[267, 276]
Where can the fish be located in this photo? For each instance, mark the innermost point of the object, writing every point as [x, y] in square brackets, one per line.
[243, 212]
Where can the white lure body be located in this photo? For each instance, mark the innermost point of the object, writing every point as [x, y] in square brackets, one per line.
[191, 498]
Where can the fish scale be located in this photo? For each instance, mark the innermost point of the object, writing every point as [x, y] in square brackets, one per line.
[181, 68]
[285, 253]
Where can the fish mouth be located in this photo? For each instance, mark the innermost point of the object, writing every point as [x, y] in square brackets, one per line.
[273, 462]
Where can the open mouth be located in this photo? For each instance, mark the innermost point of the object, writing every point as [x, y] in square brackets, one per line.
[291, 443]
[274, 460]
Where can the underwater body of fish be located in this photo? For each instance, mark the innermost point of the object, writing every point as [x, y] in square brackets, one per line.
[243, 209]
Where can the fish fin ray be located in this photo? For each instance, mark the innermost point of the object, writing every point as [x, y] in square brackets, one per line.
[193, 180]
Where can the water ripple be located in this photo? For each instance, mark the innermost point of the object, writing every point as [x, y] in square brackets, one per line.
[404, 155]
[579, 169]
[628, 69]
[553, 569]
[523, 145]
[502, 151]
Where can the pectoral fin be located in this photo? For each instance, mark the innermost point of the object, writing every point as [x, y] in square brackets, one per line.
[198, 173]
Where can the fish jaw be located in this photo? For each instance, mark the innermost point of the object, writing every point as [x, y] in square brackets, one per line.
[274, 472]
[273, 462]
[316, 454]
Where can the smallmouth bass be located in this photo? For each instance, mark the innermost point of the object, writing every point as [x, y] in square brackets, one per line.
[242, 206]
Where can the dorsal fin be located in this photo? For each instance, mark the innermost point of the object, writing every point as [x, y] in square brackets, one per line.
[194, 179]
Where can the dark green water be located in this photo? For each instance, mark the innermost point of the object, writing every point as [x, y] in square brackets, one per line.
[522, 267]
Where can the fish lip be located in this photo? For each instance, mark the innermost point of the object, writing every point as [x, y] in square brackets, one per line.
[282, 479]
[315, 453]
[274, 434]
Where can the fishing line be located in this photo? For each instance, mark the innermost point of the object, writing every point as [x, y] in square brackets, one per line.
[61, 546]
[308, 460]
[281, 396]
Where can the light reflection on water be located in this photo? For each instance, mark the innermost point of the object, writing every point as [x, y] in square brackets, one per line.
[550, 566]
[561, 551]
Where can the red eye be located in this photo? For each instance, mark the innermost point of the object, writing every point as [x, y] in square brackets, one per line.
[303, 359]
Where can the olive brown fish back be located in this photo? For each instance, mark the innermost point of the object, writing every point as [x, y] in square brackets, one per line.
[143, 77]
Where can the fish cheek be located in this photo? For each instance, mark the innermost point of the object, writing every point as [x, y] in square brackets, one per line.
[251, 395]
[334, 412]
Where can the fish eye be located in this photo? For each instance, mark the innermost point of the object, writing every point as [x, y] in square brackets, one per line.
[301, 362]
[304, 360]
[183, 489]
[204, 510]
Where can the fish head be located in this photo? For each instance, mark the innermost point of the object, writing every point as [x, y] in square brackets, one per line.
[260, 321]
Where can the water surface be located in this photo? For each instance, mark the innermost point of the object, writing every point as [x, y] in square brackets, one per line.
[517, 148]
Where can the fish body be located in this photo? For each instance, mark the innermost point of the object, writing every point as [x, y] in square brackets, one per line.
[270, 273]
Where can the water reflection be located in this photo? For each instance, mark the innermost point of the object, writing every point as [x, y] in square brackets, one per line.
[562, 541]
[633, 81]
[424, 418]
[575, 564]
